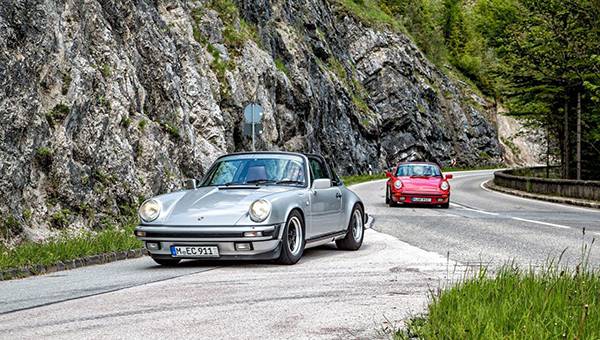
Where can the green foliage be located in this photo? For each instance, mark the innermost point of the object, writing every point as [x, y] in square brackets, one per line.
[126, 122]
[106, 70]
[357, 91]
[142, 124]
[356, 179]
[43, 157]
[173, 131]
[532, 56]
[236, 30]
[27, 215]
[68, 247]
[511, 145]
[58, 113]
[9, 227]
[66, 83]
[280, 64]
[514, 304]
[370, 13]
[60, 219]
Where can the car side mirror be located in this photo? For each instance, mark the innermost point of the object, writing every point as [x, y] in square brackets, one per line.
[321, 183]
[190, 184]
[449, 176]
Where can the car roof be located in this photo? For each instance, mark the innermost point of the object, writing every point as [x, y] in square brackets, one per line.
[262, 153]
[418, 163]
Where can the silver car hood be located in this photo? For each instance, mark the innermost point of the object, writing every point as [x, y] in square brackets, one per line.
[212, 206]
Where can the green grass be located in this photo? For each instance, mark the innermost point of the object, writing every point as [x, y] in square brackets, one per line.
[370, 13]
[68, 248]
[514, 304]
[355, 179]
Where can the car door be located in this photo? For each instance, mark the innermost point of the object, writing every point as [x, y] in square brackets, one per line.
[325, 204]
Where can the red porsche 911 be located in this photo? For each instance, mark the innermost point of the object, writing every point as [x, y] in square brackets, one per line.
[417, 183]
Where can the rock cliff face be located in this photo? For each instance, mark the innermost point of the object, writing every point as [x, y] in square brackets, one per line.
[103, 102]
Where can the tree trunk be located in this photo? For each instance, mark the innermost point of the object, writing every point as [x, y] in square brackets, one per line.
[566, 141]
[547, 150]
[578, 135]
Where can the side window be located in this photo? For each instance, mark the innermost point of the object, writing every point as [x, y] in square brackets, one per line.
[335, 179]
[317, 169]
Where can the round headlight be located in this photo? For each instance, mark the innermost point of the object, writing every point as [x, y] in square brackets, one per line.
[260, 210]
[398, 184]
[149, 210]
[444, 186]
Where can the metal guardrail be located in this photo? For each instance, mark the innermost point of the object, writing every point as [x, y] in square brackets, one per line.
[514, 179]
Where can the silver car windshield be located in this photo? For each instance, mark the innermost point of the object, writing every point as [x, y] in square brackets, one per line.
[418, 170]
[264, 170]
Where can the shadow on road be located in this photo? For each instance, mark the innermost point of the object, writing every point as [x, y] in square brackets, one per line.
[327, 250]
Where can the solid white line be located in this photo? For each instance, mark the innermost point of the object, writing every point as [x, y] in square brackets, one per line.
[475, 210]
[481, 185]
[542, 223]
[514, 218]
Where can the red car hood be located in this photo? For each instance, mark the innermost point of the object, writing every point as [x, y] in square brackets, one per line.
[421, 184]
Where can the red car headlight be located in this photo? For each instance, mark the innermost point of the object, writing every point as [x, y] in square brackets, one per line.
[398, 184]
[444, 186]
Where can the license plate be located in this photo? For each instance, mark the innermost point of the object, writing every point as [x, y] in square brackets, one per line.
[194, 251]
[421, 199]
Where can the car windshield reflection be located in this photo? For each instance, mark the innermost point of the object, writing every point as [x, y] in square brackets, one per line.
[257, 171]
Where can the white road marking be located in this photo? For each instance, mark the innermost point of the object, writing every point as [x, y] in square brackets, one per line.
[475, 210]
[542, 223]
[512, 217]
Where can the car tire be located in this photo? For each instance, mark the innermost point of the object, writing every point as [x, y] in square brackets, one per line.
[387, 195]
[293, 240]
[446, 205]
[390, 202]
[166, 262]
[356, 231]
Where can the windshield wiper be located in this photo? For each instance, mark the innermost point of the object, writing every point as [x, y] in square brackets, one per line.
[260, 181]
[289, 181]
[228, 184]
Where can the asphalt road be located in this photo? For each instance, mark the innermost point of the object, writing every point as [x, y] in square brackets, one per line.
[328, 294]
[483, 226]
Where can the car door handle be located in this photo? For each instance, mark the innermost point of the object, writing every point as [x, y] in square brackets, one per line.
[338, 195]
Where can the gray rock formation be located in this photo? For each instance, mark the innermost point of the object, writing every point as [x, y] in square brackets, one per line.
[104, 102]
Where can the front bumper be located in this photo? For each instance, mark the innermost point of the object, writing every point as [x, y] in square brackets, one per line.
[263, 247]
[407, 198]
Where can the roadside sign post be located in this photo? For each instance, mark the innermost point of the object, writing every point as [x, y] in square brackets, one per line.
[253, 115]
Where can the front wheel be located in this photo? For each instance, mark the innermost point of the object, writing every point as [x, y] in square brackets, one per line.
[292, 245]
[356, 231]
[446, 205]
[387, 195]
[166, 262]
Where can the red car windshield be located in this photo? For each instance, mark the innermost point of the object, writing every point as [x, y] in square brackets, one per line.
[418, 170]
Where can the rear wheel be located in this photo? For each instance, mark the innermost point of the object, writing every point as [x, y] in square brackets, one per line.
[356, 231]
[166, 262]
[293, 239]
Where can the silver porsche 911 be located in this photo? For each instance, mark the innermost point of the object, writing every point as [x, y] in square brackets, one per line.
[260, 206]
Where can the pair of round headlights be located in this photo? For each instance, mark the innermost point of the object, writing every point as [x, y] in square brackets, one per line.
[259, 210]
